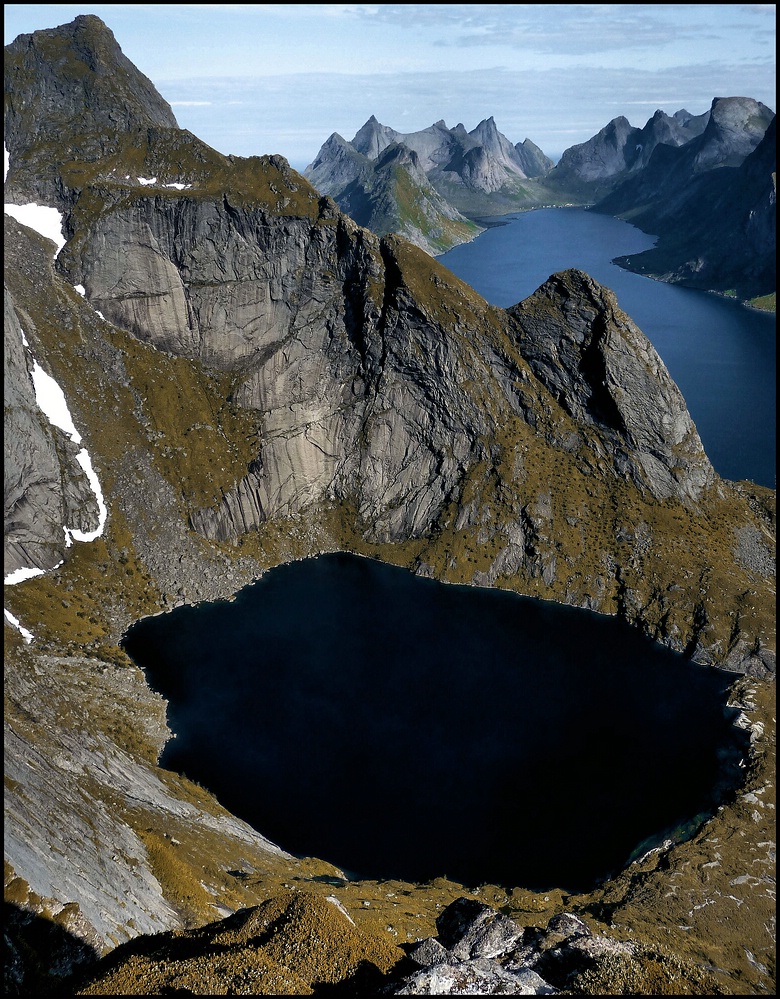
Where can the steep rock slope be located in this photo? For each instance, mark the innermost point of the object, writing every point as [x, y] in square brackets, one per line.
[712, 203]
[389, 193]
[257, 378]
[44, 487]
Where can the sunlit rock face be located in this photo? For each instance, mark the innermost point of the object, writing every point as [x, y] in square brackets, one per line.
[350, 400]
[44, 487]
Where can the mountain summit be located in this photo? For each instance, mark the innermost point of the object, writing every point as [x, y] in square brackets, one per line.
[471, 172]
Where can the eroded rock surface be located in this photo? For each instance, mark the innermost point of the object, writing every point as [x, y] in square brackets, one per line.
[45, 489]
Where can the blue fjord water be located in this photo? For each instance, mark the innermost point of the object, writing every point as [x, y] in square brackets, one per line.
[721, 354]
[400, 727]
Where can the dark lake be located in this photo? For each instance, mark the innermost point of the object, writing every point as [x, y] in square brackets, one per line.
[399, 727]
[721, 354]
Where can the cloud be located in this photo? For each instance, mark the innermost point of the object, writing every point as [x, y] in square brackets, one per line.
[293, 115]
[585, 30]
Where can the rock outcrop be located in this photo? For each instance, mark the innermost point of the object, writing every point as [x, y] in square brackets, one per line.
[477, 951]
[603, 370]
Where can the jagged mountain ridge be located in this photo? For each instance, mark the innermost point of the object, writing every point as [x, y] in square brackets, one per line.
[439, 146]
[478, 170]
[258, 379]
[651, 176]
[618, 149]
[712, 202]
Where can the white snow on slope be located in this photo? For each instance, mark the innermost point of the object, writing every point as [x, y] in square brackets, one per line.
[26, 635]
[50, 397]
[46, 221]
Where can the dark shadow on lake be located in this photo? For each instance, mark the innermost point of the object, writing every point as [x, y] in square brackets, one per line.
[403, 728]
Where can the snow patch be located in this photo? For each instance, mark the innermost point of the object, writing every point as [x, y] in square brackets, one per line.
[51, 399]
[85, 461]
[18, 575]
[45, 221]
[26, 635]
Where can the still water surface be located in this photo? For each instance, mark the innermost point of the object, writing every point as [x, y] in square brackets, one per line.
[721, 354]
[402, 728]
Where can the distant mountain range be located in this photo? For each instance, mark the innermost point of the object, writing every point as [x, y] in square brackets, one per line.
[703, 183]
[451, 173]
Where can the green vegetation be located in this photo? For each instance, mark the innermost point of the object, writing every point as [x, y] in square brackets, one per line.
[438, 230]
[767, 303]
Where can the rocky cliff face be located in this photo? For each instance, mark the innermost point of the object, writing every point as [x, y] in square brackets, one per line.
[389, 193]
[712, 202]
[257, 379]
[44, 487]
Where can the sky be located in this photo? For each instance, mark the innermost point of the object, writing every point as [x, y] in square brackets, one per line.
[253, 79]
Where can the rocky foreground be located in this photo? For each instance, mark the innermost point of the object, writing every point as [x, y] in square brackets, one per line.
[476, 951]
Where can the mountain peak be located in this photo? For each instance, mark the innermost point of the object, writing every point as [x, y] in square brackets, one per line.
[373, 137]
[735, 127]
[101, 99]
